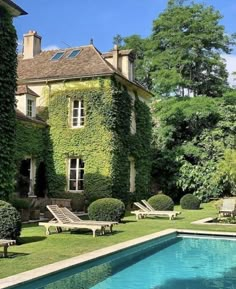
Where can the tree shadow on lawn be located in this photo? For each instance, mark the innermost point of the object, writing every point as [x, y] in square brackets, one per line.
[30, 239]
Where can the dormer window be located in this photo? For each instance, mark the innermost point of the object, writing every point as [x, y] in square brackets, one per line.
[78, 115]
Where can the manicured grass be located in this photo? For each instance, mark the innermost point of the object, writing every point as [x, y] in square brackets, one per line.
[38, 250]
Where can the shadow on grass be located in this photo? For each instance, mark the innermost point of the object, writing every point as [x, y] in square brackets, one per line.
[11, 255]
[31, 239]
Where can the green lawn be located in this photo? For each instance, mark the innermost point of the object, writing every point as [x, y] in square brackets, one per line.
[38, 250]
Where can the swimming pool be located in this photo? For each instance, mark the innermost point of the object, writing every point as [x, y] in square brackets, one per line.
[173, 261]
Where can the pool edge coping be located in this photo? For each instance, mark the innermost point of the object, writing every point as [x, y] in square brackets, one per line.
[45, 270]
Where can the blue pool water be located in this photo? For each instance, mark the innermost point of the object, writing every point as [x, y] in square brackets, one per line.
[170, 263]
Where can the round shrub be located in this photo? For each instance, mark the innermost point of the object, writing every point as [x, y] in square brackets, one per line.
[161, 202]
[106, 209]
[10, 221]
[190, 202]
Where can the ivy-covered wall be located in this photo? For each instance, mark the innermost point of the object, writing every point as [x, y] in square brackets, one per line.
[104, 143]
[8, 60]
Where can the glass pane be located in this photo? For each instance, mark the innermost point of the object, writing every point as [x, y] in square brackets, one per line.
[81, 163]
[82, 103]
[74, 53]
[75, 122]
[82, 112]
[57, 56]
[76, 103]
[72, 186]
[82, 121]
[75, 112]
[80, 185]
[73, 163]
[81, 174]
[73, 174]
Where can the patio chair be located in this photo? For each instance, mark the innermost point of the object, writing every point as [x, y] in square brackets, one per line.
[228, 208]
[76, 219]
[5, 244]
[60, 221]
[145, 211]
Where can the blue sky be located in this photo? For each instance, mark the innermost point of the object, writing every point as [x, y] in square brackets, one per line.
[75, 22]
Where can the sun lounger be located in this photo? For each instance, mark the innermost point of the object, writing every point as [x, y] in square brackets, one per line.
[61, 221]
[5, 244]
[75, 219]
[228, 208]
[147, 210]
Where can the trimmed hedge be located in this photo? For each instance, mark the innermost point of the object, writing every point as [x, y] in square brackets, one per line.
[161, 202]
[106, 209]
[190, 202]
[10, 221]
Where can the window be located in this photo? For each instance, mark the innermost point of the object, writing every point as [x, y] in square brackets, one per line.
[30, 104]
[57, 56]
[78, 113]
[74, 53]
[76, 174]
[132, 175]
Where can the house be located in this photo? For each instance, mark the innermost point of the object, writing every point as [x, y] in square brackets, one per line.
[91, 119]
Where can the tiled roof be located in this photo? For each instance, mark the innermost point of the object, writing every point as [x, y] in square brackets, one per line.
[22, 116]
[87, 63]
[24, 89]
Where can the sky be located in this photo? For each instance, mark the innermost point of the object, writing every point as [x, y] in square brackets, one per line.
[70, 23]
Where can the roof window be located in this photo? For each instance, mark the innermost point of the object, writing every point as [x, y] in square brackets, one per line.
[57, 56]
[74, 53]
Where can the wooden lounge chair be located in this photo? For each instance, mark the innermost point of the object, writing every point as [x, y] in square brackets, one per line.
[228, 208]
[75, 219]
[5, 244]
[145, 211]
[61, 221]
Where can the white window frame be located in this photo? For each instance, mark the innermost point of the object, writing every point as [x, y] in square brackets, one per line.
[80, 118]
[78, 170]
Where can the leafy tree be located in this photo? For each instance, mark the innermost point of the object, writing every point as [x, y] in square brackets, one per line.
[187, 43]
[8, 62]
[190, 136]
[142, 63]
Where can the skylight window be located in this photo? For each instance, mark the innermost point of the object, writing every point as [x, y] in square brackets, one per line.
[74, 53]
[57, 56]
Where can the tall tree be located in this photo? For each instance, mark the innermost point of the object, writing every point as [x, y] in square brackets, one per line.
[8, 62]
[187, 43]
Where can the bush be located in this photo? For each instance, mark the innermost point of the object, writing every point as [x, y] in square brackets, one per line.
[190, 202]
[106, 209]
[161, 202]
[20, 204]
[10, 221]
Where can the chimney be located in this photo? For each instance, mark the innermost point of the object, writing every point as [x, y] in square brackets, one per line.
[115, 52]
[31, 44]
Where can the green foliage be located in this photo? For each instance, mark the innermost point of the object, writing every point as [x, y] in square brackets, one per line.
[10, 221]
[190, 136]
[8, 62]
[20, 203]
[187, 43]
[106, 209]
[227, 169]
[105, 142]
[190, 202]
[161, 202]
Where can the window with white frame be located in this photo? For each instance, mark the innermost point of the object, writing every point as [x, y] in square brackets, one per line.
[77, 115]
[132, 175]
[30, 107]
[76, 174]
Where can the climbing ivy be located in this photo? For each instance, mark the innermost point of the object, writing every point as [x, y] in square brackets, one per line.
[104, 143]
[8, 62]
